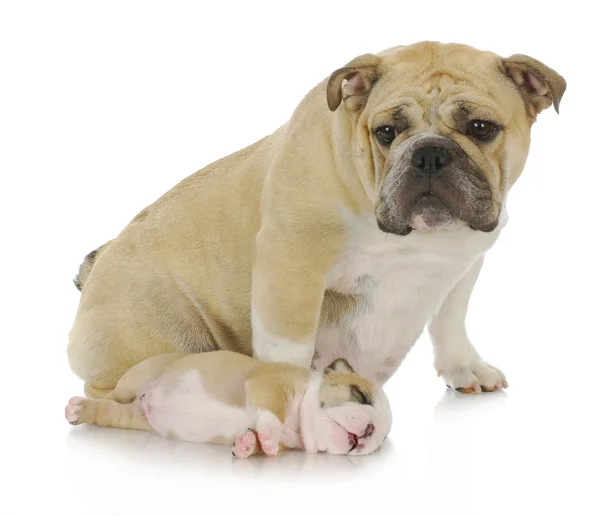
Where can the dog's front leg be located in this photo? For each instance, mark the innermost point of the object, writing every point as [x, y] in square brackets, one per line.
[455, 358]
[288, 285]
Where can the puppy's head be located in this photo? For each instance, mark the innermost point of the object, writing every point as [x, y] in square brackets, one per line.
[440, 132]
[354, 417]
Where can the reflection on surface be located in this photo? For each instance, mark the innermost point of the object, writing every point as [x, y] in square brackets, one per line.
[130, 445]
[464, 444]
[312, 464]
[453, 403]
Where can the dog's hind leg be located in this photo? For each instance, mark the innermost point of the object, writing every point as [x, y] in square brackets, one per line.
[135, 382]
[95, 392]
[106, 412]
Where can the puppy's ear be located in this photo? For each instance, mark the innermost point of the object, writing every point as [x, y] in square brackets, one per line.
[353, 83]
[539, 85]
[340, 365]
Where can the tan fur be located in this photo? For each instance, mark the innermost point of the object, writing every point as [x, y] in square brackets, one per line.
[273, 386]
[269, 221]
[86, 266]
[339, 381]
[336, 388]
[111, 413]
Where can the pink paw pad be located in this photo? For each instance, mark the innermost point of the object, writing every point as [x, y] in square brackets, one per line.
[244, 445]
[72, 410]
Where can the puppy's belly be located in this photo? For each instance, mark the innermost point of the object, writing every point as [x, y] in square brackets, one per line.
[185, 410]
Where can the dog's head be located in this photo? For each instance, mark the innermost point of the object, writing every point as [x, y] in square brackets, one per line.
[440, 132]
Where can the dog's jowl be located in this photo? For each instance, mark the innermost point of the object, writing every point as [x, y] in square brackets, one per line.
[365, 218]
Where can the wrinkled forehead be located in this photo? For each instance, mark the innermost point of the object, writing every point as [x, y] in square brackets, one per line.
[430, 78]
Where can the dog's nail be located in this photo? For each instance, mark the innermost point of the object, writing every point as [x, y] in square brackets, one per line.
[499, 386]
[476, 387]
[505, 384]
[439, 372]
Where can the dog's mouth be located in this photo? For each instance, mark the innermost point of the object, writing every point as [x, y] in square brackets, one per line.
[436, 197]
[353, 441]
[430, 212]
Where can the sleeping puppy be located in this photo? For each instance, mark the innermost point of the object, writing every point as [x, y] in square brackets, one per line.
[227, 398]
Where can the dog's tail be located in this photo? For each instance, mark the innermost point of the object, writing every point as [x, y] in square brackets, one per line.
[86, 266]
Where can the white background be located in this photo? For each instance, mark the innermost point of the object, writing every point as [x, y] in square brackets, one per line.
[106, 105]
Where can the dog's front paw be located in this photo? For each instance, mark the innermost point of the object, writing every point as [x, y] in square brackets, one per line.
[245, 445]
[473, 378]
[74, 409]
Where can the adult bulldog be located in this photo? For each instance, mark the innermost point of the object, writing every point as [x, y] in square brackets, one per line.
[364, 218]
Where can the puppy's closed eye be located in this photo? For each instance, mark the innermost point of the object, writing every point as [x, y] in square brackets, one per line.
[359, 396]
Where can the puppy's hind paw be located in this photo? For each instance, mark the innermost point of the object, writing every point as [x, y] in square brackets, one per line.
[73, 410]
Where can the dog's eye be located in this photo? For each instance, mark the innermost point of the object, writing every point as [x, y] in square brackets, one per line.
[386, 134]
[359, 396]
[481, 129]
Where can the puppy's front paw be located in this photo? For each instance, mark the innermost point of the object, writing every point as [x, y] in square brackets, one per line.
[474, 378]
[74, 409]
[269, 443]
[245, 445]
[268, 428]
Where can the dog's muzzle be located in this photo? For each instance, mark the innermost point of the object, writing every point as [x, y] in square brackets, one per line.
[431, 184]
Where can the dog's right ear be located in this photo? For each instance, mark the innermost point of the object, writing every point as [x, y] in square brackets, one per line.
[353, 83]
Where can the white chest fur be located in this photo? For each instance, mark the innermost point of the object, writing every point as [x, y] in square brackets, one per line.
[396, 283]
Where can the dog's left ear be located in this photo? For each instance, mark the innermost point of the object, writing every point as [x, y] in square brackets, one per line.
[340, 365]
[539, 84]
[353, 83]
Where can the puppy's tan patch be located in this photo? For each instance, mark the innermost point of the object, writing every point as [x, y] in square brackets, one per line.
[341, 384]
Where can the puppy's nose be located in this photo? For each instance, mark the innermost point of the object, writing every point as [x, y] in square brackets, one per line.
[431, 160]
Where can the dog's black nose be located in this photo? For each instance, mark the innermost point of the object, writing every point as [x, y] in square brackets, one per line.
[431, 160]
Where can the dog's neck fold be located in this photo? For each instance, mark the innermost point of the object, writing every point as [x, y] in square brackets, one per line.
[348, 161]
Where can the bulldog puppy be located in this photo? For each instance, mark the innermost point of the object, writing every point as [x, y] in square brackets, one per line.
[228, 398]
[344, 233]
